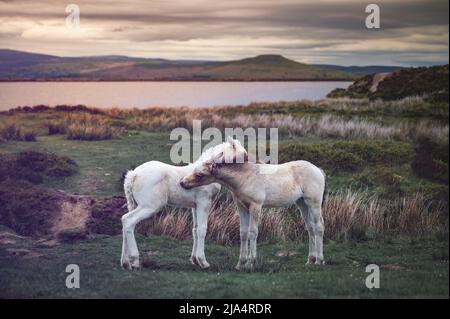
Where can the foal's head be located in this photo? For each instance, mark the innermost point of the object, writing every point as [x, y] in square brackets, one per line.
[206, 166]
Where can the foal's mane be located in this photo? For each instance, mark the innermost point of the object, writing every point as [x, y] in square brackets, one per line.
[210, 153]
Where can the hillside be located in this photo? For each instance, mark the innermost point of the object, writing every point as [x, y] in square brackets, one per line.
[360, 70]
[19, 66]
[432, 81]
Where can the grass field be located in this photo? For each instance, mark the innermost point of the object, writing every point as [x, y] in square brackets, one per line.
[376, 164]
[409, 268]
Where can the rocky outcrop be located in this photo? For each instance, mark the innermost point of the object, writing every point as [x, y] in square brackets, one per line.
[424, 81]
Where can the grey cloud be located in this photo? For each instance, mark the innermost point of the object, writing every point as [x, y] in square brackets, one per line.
[322, 26]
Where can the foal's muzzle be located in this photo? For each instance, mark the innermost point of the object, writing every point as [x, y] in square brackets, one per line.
[184, 185]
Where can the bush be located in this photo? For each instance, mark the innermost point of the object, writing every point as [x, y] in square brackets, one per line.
[384, 177]
[92, 132]
[431, 160]
[29, 137]
[348, 155]
[12, 132]
[33, 166]
[436, 192]
[26, 208]
[77, 108]
[322, 155]
[378, 152]
[86, 127]
[56, 128]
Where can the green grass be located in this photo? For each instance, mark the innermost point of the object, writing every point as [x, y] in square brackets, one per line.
[410, 268]
[101, 163]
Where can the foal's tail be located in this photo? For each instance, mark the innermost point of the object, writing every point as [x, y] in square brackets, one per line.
[325, 190]
[128, 188]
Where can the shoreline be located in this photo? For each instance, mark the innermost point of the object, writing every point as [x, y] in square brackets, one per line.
[177, 80]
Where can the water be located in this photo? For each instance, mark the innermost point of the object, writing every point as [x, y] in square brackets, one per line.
[147, 94]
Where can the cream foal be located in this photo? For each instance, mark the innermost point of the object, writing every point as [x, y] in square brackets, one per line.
[153, 185]
[258, 185]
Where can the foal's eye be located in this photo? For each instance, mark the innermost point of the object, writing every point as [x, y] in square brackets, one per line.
[199, 176]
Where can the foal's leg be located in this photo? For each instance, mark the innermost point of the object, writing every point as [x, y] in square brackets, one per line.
[244, 227]
[315, 214]
[202, 212]
[194, 236]
[130, 252]
[255, 211]
[304, 210]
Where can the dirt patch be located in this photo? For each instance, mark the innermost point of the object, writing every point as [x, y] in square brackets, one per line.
[38, 212]
[74, 212]
[22, 252]
[105, 215]
[285, 253]
[392, 266]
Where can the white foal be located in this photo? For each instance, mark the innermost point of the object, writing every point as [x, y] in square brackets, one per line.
[256, 185]
[153, 185]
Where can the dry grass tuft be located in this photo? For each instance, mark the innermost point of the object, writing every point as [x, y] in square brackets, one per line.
[84, 126]
[347, 215]
[12, 132]
[311, 118]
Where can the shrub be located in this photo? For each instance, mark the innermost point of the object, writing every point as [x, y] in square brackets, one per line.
[378, 152]
[385, 178]
[29, 137]
[11, 132]
[347, 155]
[33, 166]
[431, 160]
[85, 126]
[26, 208]
[56, 127]
[322, 155]
[78, 108]
[92, 132]
[435, 192]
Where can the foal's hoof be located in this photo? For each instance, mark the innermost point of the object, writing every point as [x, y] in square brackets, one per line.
[250, 265]
[319, 262]
[200, 262]
[130, 263]
[240, 266]
[311, 260]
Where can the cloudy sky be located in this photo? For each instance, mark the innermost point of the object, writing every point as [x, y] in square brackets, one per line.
[413, 32]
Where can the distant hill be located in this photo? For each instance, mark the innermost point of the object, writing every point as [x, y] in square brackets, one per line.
[17, 65]
[360, 70]
[432, 81]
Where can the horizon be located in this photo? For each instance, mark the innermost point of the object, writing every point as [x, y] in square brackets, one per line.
[207, 61]
[413, 32]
